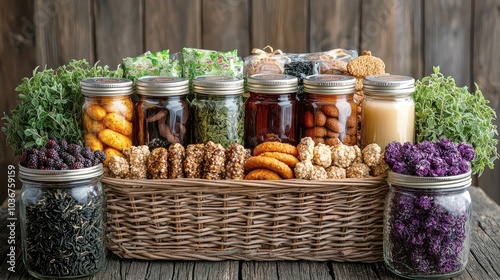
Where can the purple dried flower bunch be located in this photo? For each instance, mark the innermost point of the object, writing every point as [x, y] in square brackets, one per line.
[429, 159]
[426, 237]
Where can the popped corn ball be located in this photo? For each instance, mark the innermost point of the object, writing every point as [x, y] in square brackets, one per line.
[372, 154]
[306, 148]
[118, 167]
[335, 172]
[359, 155]
[343, 155]
[304, 170]
[137, 157]
[319, 173]
[380, 168]
[322, 155]
[358, 170]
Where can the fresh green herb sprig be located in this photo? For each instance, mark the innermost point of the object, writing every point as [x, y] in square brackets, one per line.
[444, 110]
[50, 104]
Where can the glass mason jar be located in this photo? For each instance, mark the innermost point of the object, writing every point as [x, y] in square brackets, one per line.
[388, 110]
[271, 109]
[62, 214]
[108, 113]
[162, 112]
[427, 225]
[329, 112]
[217, 110]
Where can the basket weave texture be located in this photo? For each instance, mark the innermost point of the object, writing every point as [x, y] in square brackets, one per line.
[195, 219]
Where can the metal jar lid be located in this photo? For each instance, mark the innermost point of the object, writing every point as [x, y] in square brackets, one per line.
[218, 85]
[104, 86]
[417, 182]
[272, 83]
[38, 175]
[329, 84]
[388, 84]
[162, 86]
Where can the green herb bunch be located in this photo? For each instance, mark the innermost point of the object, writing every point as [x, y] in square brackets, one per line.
[50, 104]
[444, 110]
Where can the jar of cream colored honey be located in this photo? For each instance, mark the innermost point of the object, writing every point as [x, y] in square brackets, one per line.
[388, 110]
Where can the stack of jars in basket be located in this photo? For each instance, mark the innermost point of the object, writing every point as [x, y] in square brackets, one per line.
[165, 111]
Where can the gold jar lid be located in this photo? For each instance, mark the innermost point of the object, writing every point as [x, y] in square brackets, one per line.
[388, 84]
[272, 83]
[106, 86]
[162, 86]
[329, 84]
[218, 85]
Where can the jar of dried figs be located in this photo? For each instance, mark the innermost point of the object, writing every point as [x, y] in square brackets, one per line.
[162, 111]
[388, 110]
[329, 111]
[218, 113]
[271, 109]
[108, 113]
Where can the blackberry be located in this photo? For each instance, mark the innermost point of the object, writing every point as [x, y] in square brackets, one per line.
[23, 159]
[74, 149]
[68, 159]
[57, 163]
[63, 144]
[64, 166]
[87, 163]
[79, 158]
[51, 153]
[87, 153]
[100, 155]
[52, 144]
[32, 161]
[43, 160]
[96, 161]
[77, 165]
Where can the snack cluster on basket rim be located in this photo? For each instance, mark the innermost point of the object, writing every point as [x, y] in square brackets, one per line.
[429, 159]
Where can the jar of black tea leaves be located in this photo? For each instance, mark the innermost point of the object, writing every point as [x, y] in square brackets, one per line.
[62, 217]
[427, 225]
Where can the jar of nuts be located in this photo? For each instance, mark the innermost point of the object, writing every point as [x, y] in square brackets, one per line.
[108, 113]
[162, 111]
[329, 111]
[271, 109]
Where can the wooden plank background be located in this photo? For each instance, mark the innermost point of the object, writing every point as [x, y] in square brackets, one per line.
[412, 36]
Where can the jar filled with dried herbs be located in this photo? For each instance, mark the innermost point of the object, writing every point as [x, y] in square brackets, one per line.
[162, 112]
[271, 109]
[217, 110]
[62, 217]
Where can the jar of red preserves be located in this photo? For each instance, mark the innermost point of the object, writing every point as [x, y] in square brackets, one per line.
[271, 109]
[162, 111]
[329, 112]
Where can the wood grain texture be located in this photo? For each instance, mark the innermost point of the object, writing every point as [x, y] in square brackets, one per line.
[64, 31]
[326, 19]
[486, 73]
[447, 41]
[218, 15]
[17, 60]
[392, 30]
[172, 24]
[118, 30]
[281, 24]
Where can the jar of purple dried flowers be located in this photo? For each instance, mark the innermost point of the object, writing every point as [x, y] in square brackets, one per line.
[427, 225]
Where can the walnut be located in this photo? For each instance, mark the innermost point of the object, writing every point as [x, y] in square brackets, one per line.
[322, 155]
[193, 163]
[157, 165]
[176, 154]
[358, 170]
[118, 167]
[335, 172]
[343, 155]
[304, 170]
[319, 173]
[380, 168]
[306, 148]
[371, 154]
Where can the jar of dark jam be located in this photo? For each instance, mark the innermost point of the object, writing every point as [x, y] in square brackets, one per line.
[329, 112]
[162, 111]
[271, 109]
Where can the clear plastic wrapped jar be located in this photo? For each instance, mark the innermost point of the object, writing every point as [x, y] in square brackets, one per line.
[271, 109]
[108, 113]
[62, 214]
[388, 110]
[162, 112]
[427, 225]
[217, 110]
[329, 111]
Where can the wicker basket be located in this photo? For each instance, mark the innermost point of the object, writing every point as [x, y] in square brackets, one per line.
[194, 219]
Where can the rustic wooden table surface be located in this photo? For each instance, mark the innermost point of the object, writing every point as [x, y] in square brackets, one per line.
[484, 261]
